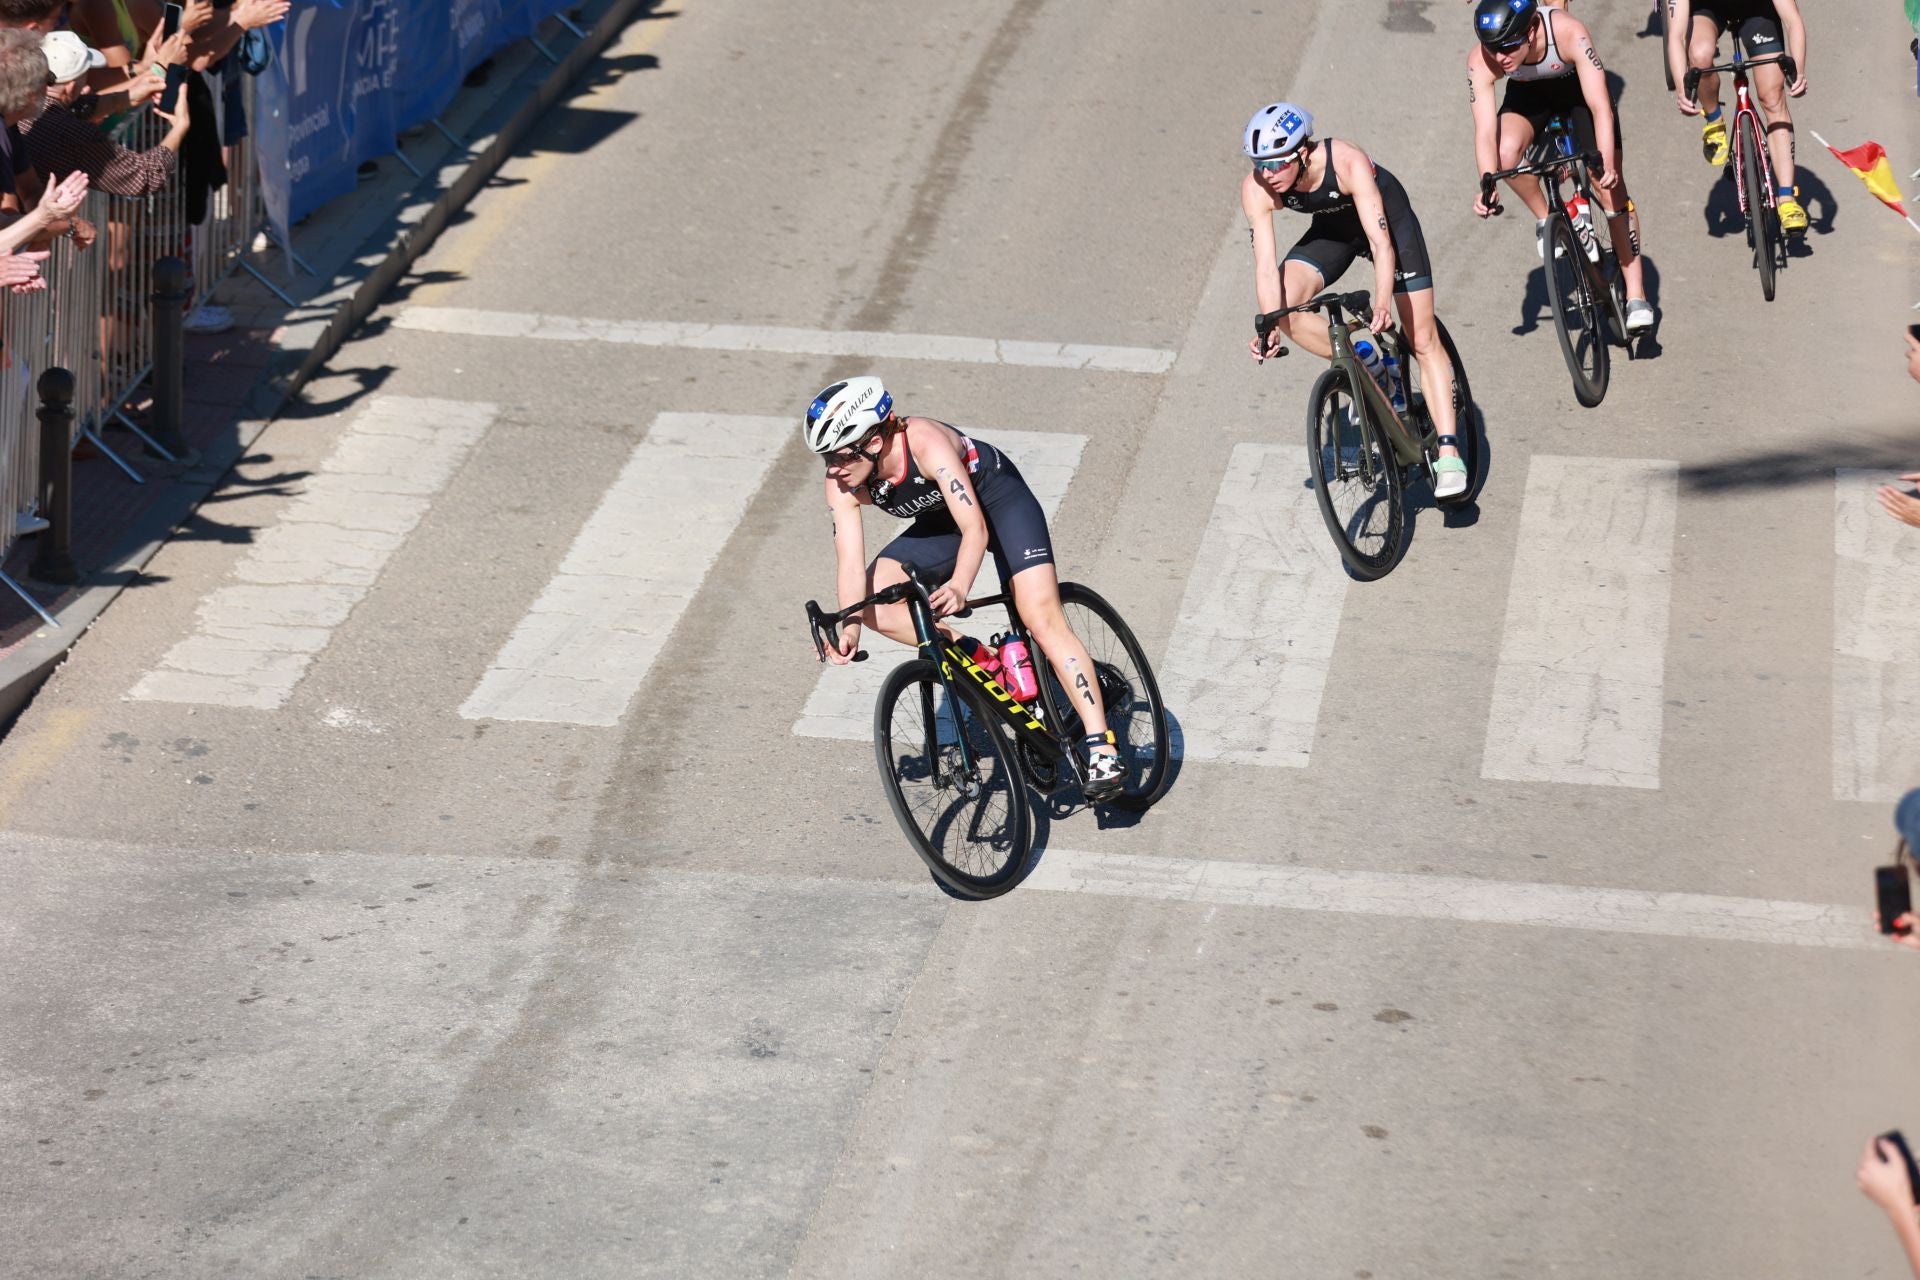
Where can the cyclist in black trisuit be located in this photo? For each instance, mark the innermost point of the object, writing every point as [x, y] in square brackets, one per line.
[1551, 68]
[1359, 210]
[965, 498]
[1762, 28]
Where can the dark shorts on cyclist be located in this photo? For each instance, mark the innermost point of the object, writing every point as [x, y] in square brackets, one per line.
[1017, 535]
[1335, 237]
[1539, 101]
[1754, 23]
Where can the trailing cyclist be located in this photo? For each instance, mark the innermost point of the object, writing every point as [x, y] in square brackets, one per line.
[1359, 209]
[1552, 69]
[965, 498]
[1757, 26]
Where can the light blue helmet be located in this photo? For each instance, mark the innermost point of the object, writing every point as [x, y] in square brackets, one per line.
[1276, 131]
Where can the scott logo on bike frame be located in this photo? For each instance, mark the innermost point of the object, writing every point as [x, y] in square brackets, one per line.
[1006, 700]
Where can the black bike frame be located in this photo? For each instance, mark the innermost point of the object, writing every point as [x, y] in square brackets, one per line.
[1026, 727]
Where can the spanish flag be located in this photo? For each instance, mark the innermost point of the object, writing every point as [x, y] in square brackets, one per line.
[1869, 162]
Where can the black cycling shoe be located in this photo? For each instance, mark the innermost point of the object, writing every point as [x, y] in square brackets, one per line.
[1106, 772]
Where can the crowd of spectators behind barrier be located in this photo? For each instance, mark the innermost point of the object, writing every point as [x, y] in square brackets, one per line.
[71, 71]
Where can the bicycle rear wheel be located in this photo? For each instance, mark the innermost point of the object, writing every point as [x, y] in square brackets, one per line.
[1576, 312]
[1128, 691]
[971, 826]
[1763, 226]
[1356, 478]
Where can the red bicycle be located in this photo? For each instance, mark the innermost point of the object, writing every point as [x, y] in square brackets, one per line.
[1752, 169]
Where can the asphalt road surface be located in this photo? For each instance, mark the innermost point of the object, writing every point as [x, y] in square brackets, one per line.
[451, 861]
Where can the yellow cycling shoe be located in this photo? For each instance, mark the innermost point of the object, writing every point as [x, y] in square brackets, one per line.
[1713, 141]
[1793, 218]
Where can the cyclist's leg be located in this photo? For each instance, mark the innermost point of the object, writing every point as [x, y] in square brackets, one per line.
[1703, 46]
[1614, 202]
[1315, 261]
[1036, 594]
[1517, 132]
[1436, 370]
[930, 550]
[1760, 37]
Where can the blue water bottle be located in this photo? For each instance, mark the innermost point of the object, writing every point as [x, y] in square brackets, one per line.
[1386, 372]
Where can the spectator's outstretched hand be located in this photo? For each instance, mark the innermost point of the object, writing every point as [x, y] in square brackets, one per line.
[63, 198]
[1905, 934]
[1903, 507]
[18, 269]
[249, 14]
[1882, 1176]
[178, 117]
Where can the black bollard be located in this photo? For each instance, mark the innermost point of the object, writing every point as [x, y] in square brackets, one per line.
[172, 289]
[53, 560]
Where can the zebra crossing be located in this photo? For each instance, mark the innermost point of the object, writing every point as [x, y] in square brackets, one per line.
[1577, 696]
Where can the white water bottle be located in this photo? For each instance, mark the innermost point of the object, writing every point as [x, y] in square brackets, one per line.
[1582, 218]
[1386, 372]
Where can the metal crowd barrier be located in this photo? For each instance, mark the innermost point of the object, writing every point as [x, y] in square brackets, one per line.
[94, 318]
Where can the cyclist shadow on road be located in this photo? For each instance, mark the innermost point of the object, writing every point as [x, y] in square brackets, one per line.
[1535, 312]
[1722, 210]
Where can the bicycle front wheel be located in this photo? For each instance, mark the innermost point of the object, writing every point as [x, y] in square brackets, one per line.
[1576, 312]
[967, 819]
[1128, 692]
[1356, 477]
[1763, 228]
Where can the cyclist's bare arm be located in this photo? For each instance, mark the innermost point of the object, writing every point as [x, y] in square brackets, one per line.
[1794, 29]
[1593, 87]
[1355, 171]
[1486, 120]
[933, 447]
[849, 560]
[1268, 290]
[1679, 35]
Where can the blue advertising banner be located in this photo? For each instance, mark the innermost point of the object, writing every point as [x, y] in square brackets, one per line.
[349, 75]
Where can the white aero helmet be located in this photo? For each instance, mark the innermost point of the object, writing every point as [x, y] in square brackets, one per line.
[1276, 131]
[846, 412]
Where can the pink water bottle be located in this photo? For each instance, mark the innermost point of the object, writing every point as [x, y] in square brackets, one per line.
[1016, 670]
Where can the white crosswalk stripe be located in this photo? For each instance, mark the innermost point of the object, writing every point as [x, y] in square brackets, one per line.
[1577, 695]
[1247, 664]
[1876, 644]
[1091, 357]
[253, 640]
[841, 705]
[588, 642]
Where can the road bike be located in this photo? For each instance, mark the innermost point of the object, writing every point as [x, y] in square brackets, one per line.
[1586, 288]
[1363, 452]
[958, 752]
[1750, 167]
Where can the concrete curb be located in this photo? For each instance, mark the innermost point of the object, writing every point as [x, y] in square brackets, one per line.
[305, 346]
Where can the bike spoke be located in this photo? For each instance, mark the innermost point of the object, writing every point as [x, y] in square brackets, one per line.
[962, 808]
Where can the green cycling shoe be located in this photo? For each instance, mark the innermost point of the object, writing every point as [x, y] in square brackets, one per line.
[1449, 474]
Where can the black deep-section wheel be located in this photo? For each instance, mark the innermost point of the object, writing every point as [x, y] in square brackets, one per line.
[1763, 224]
[1576, 312]
[1128, 691]
[1356, 478]
[970, 824]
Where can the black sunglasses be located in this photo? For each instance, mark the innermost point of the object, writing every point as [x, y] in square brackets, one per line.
[852, 453]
